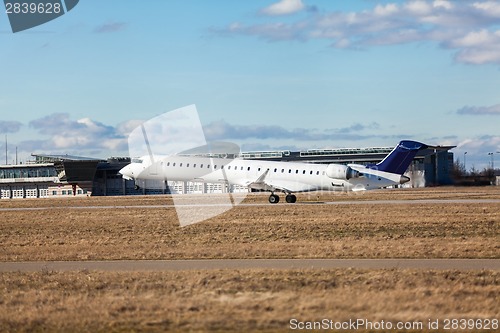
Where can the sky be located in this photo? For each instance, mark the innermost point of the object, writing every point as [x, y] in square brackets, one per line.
[264, 74]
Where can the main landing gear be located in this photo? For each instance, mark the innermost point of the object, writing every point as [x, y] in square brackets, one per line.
[290, 198]
[273, 198]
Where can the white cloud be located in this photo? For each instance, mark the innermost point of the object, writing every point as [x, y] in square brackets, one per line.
[483, 144]
[10, 126]
[269, 31]
[64, 142]
[489, 7]
[221, 130]
[128, 126]
[469, 29]
[343, 43]
[82, 136]
[284, 7]
[478, 150]
[478, 47]
[110, 27]
[442, 3]
[475, 38]
[478, 56]
[389, 9]
[493, 110]
[418, 7]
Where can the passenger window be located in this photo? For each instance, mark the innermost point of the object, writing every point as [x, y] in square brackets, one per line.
[289, 170]
[241, 168]
[317, 173]
[194, 165]
[275, 169]
[222, 166]
[258, 169]
[187, 165]
[168, 163]
[282, 170]
[201, 165]
[303, 172]
[180, 164]
[173, 164]
[296, 171]
[248, 169]
[229, 167]
[311, 172]
[215, 166]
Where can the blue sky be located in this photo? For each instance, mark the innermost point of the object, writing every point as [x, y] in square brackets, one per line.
[264, 74]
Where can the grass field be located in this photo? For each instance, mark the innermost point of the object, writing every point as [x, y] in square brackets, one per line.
[248, 300]
[68, 231]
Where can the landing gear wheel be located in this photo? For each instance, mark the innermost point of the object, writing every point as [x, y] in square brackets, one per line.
[136, 187]
[291, 198]
[273, 198]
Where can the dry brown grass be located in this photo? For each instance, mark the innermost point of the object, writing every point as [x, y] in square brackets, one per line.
[246, 300]
[466, 230]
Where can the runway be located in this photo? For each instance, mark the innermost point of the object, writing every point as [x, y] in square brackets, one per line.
[235, 264]
[350, 202]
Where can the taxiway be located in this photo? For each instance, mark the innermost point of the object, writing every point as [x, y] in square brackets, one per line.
[336, 203]
[218, 264]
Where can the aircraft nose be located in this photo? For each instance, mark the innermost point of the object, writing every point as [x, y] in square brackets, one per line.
[404, 179]
[127, 172]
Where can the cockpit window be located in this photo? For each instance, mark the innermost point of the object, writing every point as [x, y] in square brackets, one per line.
[137, 160]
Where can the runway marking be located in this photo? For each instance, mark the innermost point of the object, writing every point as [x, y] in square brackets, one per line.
[218, 264]
[351, 202]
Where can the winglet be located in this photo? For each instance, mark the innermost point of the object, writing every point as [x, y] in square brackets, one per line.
[260, 184]
[400, 157]
[262, 177]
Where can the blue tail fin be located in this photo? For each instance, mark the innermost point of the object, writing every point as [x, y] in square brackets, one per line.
[400, 157]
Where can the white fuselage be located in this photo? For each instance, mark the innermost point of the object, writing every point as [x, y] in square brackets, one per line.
[258, 174]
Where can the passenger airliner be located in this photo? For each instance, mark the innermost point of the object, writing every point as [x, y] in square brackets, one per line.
[272, 176]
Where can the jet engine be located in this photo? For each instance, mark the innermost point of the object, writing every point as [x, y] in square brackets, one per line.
[343, 172]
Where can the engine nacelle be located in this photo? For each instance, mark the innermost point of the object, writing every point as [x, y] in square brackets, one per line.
[343, 172]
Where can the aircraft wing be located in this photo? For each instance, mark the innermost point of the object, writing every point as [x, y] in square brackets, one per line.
[291, 186]
[264, 184]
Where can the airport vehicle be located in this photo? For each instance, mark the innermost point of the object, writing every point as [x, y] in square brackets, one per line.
[277, 176]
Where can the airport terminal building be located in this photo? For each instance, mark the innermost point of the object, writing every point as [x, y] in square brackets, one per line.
[66, 175]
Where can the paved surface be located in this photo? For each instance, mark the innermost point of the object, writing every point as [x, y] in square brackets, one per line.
[172, 265]
[351, 202]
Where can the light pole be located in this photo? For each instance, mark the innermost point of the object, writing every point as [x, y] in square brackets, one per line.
[465, 166]
[492, 160]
